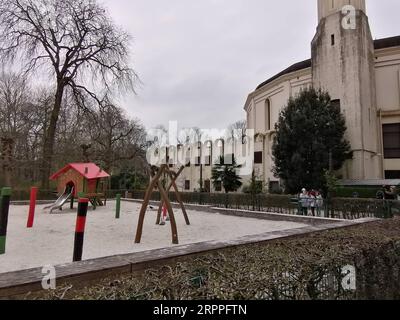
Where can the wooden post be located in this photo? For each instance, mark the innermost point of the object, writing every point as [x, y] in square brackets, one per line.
[4, 210]
[32, 206]
[72, 203]
[174, 229]
[105, 191]
[161, 205]
[118, 206]
[155, 181]
[173, 184]
[178, 196]
[146, 200]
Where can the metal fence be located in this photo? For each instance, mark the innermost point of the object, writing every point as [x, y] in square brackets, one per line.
[339, 208]
[24, 195]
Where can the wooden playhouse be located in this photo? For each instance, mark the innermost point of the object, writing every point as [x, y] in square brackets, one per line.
[85, 179]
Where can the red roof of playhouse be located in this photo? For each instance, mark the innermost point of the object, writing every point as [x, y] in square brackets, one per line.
[88, 170]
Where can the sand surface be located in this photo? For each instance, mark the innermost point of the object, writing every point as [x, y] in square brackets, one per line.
[51, 239]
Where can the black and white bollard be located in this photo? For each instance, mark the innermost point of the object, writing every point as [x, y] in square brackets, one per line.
[4, 208]
[80, 229]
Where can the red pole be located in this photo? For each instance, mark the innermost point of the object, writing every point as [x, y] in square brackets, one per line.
[32, 206]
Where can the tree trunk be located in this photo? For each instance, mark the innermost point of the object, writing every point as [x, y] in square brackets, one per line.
[50, 135]
[85, 152]
[7, 146]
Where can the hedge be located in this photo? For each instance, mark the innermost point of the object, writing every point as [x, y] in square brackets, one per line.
[366, 193]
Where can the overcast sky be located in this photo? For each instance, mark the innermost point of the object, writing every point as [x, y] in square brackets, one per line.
[199, 59]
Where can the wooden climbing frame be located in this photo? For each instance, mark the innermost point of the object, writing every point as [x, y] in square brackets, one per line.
[156, 174]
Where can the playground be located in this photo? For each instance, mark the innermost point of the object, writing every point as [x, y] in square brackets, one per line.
[51, 239]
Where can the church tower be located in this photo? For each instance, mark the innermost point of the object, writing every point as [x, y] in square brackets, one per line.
[343, 64]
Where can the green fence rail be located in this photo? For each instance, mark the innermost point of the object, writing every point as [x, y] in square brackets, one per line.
[339, 208]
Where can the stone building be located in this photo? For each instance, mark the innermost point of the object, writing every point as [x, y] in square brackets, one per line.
[362, 75]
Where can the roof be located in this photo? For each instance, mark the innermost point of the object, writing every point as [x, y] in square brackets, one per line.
[378, 44]
[88, 170]
[387, 43]
[295, 67]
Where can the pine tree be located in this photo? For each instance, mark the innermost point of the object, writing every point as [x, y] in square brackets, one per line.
[309, 130]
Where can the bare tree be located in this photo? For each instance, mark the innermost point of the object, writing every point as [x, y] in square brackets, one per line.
[238, 130]
[75, 41]
[116, 137]
[14, 117]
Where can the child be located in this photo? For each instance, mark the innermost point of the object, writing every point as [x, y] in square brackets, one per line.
[312, 201]
[163, 216]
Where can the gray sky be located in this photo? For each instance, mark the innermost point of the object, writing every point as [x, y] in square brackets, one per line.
[199, 59]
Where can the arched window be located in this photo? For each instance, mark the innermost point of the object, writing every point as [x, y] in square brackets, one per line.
[268, 114]
[220, 148]
[209, 153]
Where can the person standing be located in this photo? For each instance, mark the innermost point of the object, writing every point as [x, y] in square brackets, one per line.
[389, 193]
[312, 200]
[320, 203]
[393, 192]
[304, 202]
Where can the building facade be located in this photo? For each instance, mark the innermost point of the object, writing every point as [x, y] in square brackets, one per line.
[362, 75]
[198, 160]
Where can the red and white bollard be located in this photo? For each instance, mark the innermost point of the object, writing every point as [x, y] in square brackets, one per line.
[164, 215]
[32, 206]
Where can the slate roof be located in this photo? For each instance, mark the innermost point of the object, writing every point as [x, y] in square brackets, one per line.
[378, 44]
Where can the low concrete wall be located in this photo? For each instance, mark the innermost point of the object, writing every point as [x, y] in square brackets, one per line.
[26, 202]
[281, 217]
[254, 214]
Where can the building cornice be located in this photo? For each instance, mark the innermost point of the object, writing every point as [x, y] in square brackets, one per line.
[387, 52]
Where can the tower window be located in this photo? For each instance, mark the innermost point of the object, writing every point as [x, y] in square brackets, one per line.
[258, 157]
[391, 140]
[268, 114]
[332, 39]
[392, 174]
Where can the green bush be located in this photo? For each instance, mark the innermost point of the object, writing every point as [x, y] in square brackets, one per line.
[365, 193]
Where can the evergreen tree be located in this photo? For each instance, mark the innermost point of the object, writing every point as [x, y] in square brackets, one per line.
[225, 172]
[309, 130]
[255, 186]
